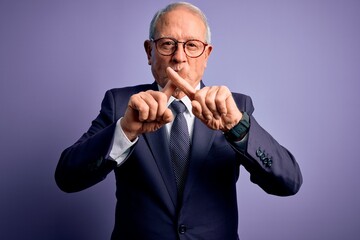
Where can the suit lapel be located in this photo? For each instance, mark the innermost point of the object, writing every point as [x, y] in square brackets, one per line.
[159, 146]
[203, 138]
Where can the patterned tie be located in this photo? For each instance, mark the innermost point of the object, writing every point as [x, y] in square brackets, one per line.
[179, 145]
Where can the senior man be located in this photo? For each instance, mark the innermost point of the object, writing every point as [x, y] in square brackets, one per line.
[176, 145]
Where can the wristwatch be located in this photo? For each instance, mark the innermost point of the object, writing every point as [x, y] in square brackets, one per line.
[239, 131]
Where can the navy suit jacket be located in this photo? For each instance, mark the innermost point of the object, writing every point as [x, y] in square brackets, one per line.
[147, 203]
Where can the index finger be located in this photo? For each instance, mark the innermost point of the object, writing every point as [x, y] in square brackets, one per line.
[180, 83]
[169, 89]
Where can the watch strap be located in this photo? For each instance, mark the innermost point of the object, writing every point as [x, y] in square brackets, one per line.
[239, 130]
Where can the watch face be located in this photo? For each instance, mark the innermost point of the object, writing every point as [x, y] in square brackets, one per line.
[239, 131]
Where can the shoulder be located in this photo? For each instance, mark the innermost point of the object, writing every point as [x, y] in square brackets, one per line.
[116, 99]
[130, 90]
[243, 102]
[124, 93]
[240, 97]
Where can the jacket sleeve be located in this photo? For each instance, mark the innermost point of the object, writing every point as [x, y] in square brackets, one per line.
[271, 166]
[85, 163]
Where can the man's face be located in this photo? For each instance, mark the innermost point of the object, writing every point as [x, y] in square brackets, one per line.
[180, 24]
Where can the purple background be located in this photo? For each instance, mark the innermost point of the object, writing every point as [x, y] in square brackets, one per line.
[299, 60]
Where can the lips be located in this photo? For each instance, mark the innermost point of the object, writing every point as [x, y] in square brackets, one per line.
[181, 69]
[176, 68]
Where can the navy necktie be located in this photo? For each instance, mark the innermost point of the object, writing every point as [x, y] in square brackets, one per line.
[179, 145]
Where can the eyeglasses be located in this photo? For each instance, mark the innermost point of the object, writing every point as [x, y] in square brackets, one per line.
[167, 46]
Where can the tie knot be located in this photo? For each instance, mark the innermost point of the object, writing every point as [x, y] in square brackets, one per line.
[178, 106]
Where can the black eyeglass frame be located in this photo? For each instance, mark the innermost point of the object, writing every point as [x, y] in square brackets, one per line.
[176, 46]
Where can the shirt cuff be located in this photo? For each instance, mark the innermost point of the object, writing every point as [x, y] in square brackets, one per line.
[242, 144]
[121, 145]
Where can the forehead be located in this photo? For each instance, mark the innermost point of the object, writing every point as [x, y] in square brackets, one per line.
[182, 24]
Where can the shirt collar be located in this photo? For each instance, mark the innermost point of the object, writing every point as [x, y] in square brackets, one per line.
[186, 100]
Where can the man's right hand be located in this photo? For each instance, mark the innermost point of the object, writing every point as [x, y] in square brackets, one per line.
[147, 112]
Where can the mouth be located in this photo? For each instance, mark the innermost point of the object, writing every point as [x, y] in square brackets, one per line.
[176, 68]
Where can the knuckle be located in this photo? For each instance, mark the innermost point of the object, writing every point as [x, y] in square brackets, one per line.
[224, 88]
[152, 103]
[209, 102]
[219, 101]
[162, 97]
[143, 108]
[134, 97]
[198, 97]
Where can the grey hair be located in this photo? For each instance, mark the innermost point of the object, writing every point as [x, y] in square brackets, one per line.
[172, 6]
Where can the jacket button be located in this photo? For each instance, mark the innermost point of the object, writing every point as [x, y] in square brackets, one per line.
[182, 229]
[259, 153]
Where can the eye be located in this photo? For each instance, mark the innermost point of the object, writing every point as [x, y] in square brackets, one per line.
[193, 45]
[167, 43]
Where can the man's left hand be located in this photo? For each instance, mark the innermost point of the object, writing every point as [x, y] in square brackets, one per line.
[214, 105]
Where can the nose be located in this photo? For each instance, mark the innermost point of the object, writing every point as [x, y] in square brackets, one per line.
[179, 55]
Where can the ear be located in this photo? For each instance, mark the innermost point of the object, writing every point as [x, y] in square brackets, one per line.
[148, 50]
[207, 53]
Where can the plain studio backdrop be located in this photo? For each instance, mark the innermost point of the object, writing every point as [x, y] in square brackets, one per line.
[298, 59]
